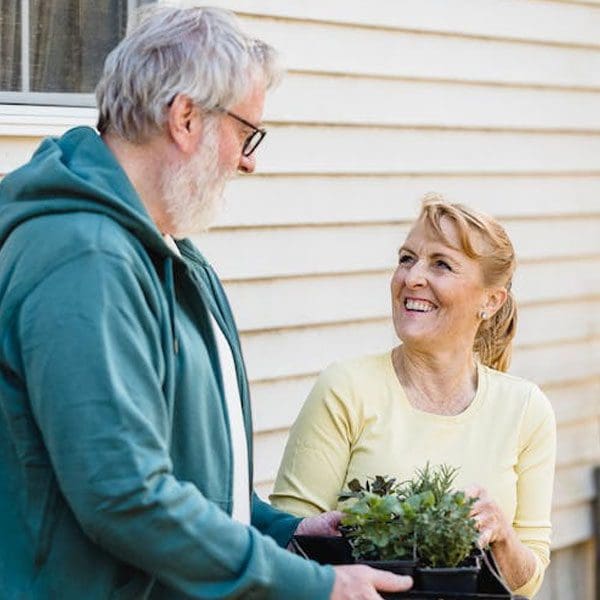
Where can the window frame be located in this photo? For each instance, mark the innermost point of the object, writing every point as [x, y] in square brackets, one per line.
[25, 97]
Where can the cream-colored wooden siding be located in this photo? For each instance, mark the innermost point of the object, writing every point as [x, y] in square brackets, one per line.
[495, 103]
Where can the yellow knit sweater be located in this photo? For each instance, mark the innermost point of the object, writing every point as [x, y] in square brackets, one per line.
[358, 422]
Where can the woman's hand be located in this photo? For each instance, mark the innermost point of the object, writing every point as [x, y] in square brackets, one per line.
[323, 524]
[491, 522]
[516, 562]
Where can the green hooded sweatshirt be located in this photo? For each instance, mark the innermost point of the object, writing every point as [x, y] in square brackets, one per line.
[115, 453]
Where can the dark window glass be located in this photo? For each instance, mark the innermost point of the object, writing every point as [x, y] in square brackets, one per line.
[66, 42]
[10, 45]
[69, 40]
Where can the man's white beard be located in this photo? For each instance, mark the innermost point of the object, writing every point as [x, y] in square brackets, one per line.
[193, 192]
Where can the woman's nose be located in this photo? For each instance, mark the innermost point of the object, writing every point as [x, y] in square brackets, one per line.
[415, 276]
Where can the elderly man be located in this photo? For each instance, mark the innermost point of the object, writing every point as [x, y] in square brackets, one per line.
[125, 429]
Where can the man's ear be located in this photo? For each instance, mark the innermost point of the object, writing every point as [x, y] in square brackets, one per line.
[184, 123]
[495, 298]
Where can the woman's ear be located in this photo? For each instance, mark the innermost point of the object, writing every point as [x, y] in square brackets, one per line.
[184, 123]
[494, 299]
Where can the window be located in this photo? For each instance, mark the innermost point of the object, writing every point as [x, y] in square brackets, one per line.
[53, 50]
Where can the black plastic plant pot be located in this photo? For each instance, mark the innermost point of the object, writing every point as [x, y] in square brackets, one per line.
[325, 549]
[452, 580]
[399, 567]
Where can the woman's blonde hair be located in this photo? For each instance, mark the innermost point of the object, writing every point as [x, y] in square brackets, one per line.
[483, 239]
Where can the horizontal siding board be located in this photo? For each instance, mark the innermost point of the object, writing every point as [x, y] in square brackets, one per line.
[376, 150]
[381, 151]
[573, 485]
[571, 525]
[302, 351]
[553, 364]
[299, 352]
[579, 443]
[299, 251]
[244, 254]
[322, 199]
[275, 404]
[539, 21]
[349, 50]
[574, 401]
[322, 99]
[536, 282]
[307, 301]
[280, 303]
[552, 323]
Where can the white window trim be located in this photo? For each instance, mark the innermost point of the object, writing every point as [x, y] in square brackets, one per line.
[47, 98]
[28, 120]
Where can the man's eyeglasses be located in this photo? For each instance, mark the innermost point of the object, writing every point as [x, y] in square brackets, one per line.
[254, 138]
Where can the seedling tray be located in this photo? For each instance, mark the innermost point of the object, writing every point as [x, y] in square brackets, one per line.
[328, 550]
[416, 595]
[489, 588]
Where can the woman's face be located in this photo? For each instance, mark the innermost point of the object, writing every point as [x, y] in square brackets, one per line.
[437, 291]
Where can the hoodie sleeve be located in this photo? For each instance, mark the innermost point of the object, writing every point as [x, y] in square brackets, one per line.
[272, 522]
[91, 354]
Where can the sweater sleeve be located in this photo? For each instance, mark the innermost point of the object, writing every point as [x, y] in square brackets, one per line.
[535, 472]
[317, 454]
[94, 365]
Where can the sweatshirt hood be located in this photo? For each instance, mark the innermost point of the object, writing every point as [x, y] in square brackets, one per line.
[75, 173]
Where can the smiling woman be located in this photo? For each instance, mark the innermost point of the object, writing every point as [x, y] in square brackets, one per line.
[441, 396]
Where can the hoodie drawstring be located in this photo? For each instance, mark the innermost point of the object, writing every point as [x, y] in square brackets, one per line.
[170, 290]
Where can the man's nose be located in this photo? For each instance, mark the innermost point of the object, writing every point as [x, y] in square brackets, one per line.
[247, 164]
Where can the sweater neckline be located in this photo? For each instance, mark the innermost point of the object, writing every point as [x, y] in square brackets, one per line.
[465, 415]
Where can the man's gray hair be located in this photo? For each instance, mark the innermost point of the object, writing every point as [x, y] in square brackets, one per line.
[200, 52]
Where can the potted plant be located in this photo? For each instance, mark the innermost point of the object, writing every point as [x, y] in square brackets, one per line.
[446, 535]
[422, 519]
[379, 526]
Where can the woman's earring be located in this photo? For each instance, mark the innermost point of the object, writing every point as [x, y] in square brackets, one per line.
[483, 315]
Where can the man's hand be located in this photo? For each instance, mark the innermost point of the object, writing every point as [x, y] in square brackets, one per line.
[359, 582]
[323, 524]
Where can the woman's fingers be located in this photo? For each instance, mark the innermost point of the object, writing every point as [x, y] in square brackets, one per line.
[473, 491]
[485, 513]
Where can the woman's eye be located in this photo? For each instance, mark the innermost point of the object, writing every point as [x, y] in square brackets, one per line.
[442, 264]
[404, 259]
